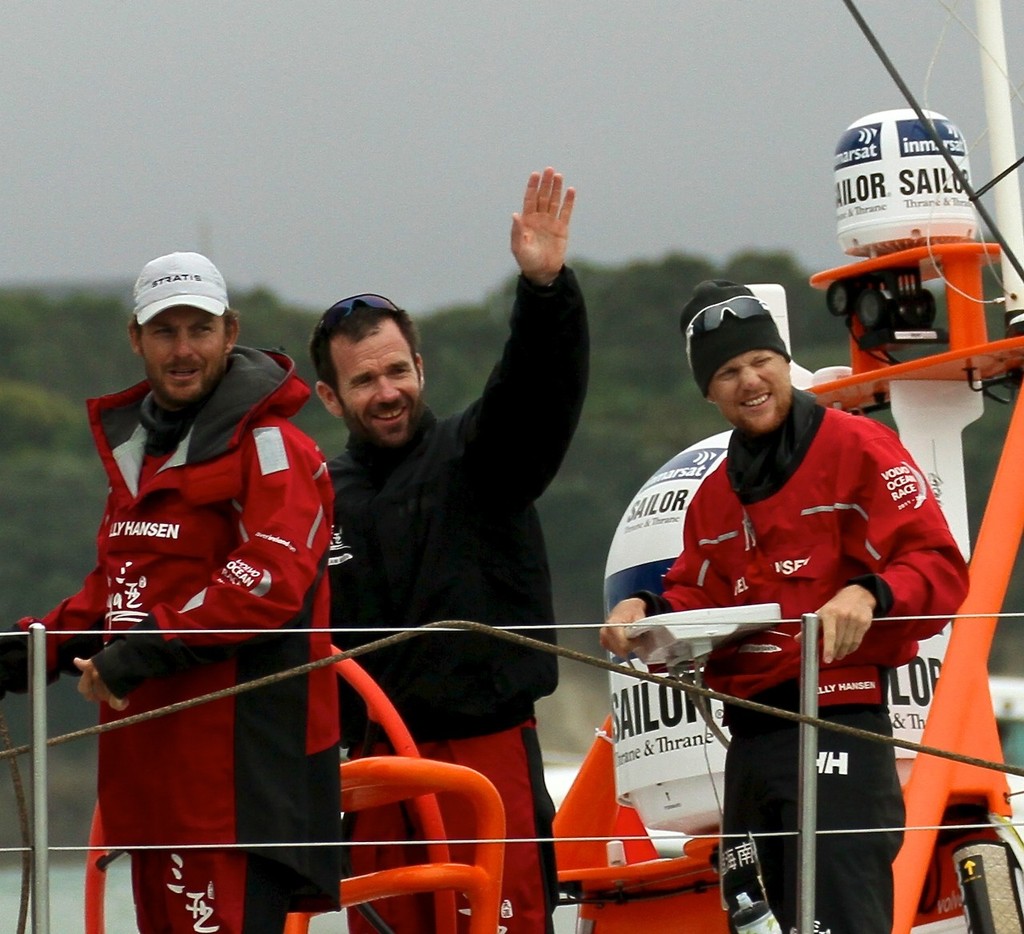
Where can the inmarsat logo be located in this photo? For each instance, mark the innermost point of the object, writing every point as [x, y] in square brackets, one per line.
[916, 140]
[858, 145]
[690, 465]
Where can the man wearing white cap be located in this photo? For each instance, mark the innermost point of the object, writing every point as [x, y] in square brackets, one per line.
[209, 575]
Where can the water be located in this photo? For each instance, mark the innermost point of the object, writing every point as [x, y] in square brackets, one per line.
[66, 887]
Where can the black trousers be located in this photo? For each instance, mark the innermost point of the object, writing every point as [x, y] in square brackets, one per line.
[858, 795]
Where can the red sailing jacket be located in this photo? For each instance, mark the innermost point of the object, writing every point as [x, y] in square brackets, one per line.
[856, 505]
[231, 533]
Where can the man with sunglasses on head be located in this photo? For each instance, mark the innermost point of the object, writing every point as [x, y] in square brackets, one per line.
[435, 520]
[805, 513]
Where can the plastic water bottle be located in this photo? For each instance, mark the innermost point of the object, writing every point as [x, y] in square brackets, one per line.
[754, 917]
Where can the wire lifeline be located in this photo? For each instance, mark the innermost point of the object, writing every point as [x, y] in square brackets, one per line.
[116, 852]
[214, 695]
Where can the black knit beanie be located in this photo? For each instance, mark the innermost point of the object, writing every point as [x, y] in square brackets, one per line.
[709, 350]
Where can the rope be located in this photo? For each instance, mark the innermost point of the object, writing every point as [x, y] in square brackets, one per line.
[214, 695]
[526, 642]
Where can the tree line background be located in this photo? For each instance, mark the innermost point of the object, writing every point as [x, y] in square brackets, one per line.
[62, 346]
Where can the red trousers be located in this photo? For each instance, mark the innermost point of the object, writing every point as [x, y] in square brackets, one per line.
[209, 892]
[511, 759]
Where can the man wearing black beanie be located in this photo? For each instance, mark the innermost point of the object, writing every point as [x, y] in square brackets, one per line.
[819, 511]
[742, 322]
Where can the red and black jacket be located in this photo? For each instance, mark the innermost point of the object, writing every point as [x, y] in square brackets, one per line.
[228, 535]
[855, 506]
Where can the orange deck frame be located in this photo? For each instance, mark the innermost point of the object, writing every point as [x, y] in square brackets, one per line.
[371, 782]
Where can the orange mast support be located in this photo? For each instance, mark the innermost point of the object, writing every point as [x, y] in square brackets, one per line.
[961, 717]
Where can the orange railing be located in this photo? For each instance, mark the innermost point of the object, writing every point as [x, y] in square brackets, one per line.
[372, 782]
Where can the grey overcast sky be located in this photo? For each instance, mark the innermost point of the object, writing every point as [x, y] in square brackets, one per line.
[325, 147]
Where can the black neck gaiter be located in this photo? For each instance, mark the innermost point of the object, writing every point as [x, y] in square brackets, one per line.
[758, 467]
[166, 427]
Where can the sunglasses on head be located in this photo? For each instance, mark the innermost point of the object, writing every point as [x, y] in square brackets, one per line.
[330, 319]
[741, 307]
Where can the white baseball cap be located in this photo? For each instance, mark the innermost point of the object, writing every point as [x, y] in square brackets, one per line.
[179, 279]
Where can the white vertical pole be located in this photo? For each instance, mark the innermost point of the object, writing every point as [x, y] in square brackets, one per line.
[40, 798]
[1006, 194]
[931, 416]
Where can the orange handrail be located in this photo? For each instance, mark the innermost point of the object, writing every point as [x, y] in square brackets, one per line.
[425, 807]
[380, 780]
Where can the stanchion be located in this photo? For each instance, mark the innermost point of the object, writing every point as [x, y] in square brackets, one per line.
[40, 825]
[807, 792]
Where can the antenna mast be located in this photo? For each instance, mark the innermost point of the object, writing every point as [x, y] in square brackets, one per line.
[1006, 190]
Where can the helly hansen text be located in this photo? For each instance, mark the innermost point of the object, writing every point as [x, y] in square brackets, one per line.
[146, 529]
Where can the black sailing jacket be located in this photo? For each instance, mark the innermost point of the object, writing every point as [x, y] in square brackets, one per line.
[445, 528]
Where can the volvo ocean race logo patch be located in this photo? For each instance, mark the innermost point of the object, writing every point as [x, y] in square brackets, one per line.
[905, 485]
